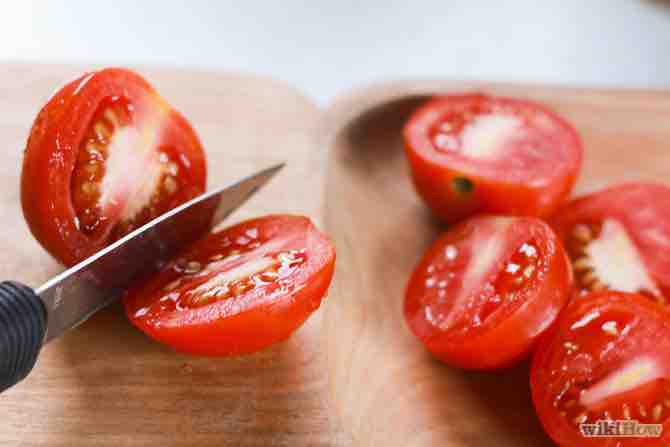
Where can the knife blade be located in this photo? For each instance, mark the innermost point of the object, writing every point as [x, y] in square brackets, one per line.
[77, 293]
[30, 318]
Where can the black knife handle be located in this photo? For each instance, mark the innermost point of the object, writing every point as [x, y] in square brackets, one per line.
[23, 323]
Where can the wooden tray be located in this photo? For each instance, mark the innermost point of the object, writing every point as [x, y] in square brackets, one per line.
[387, 391]
[352, 375]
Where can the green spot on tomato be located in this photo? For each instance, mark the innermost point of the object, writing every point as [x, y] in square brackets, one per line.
[463, 186]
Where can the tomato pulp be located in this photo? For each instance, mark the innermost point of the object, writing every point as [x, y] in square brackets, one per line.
[606, 359]
[619, 239]
[238, 290]
[486, 290]
[105, 155]
[475, 153]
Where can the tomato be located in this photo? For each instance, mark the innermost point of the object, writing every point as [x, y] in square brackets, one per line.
[105, 155]
[474, 153]
[606, 359]
[237, 290]
[486, 290]
[619, 238]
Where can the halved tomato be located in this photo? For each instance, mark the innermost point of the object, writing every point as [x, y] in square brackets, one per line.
[105, 155]
[619, 238]
[486, 290]
[606, 359]
[475, 153]
[237, 290]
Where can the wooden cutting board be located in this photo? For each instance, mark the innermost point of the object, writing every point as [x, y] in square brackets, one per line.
[386, 390]
[353, 375]
[107, 384]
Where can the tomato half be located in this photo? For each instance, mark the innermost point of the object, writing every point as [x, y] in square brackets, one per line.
[105, 155]
[486, 290]
[606, 359]
[619, 238]
[476, 153]
[238, 290]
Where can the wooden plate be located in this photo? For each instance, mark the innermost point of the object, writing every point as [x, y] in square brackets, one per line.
[387, 391]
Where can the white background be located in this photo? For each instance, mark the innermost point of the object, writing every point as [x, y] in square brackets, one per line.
[324, 48]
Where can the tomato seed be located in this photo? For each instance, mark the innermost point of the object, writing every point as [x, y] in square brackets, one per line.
[582, 264]
[643, 410]
[583, 417]
[582, 233]
[89, 188]
[173, 285]
[597, 286]
[170, 185]
[193, 267]
[111, 117]
[528, 271]
[101, 131]
[269, 276]
[92, 170]
[173, 169]
[589, 278]
[656, 412]
[571, 347]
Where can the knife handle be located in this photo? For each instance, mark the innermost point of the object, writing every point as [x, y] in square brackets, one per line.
[23, 324]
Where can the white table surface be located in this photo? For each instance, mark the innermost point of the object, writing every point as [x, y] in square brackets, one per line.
[326, 47]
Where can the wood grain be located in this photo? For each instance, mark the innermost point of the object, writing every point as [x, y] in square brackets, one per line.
[107, 384]
[385, 388]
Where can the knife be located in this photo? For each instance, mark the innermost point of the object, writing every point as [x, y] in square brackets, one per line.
[31, 318]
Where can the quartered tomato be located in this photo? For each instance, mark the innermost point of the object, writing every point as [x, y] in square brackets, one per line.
[475, 153]
[105, 155]
[619, 238]
[237, 290]
[486, 290]
[606, 359]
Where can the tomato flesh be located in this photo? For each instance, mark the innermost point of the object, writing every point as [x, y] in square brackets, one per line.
[237, 290]
[486, 290]
[618, 239]
[105, 155]
[607, 358]
[477, 153]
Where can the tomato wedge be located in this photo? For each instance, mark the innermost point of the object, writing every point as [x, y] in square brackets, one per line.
[619, 238]
[105, 155]
[238, 290]
[474, 153]
[486, 290]
[606, 359]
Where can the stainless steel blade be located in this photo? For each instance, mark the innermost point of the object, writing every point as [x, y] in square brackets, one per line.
[77, 293]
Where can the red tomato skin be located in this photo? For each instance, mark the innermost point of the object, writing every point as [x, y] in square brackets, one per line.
[514, 338]
[52, 149]
[433, 180]
[256, 327]
[629, 203]
[560, 430]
